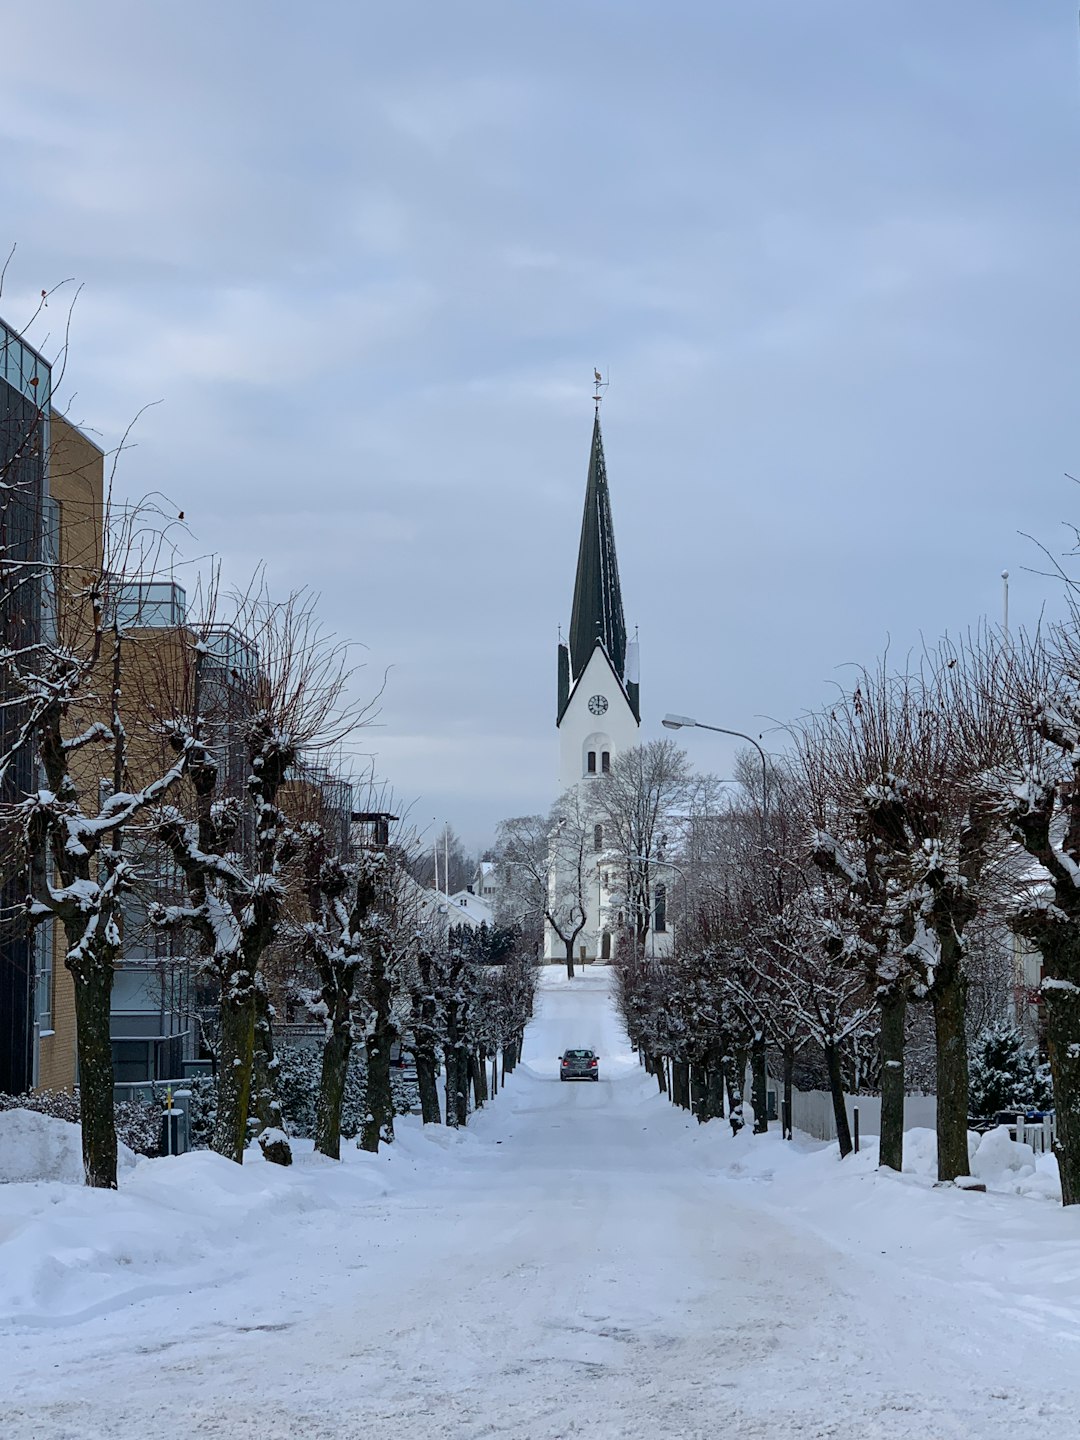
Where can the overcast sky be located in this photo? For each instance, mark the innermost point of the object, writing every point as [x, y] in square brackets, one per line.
[368, 255]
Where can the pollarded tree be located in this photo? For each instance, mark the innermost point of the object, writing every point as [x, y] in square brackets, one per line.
[293, 679]
[910, 757]
[1042, 790]
[348, 901]
[68, 688]
[841, 758]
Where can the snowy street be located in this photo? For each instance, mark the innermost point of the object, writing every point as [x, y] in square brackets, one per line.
[585, 1261]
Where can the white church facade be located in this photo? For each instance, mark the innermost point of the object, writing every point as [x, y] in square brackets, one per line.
[598, 716]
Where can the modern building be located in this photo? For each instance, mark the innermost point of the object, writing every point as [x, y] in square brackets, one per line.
[598, 706]
[158, 999]
[25, 398]
[51, 509]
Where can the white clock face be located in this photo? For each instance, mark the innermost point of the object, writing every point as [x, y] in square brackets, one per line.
[598, 705]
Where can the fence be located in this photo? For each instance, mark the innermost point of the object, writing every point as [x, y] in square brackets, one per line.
[1041, 1135]
[812, 1112]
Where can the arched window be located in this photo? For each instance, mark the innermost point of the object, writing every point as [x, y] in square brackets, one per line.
[598, 837]
[605, 761]
[590, 762]
[660, 910]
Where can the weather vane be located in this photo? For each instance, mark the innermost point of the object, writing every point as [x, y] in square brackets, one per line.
[599, 386]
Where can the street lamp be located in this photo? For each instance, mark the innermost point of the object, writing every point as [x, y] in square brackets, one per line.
[684, 722]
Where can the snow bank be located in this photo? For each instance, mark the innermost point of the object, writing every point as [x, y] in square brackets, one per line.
[177, 1224]
[40, 1147]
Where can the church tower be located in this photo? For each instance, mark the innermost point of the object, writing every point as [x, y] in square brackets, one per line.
[598, 710]
[598, 714]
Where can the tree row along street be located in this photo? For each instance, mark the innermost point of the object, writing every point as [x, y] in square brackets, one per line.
[576, 1263]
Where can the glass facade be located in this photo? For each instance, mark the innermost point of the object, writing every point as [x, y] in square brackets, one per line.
[150, 604]
[25, 385]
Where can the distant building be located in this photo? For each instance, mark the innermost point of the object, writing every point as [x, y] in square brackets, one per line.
[465, 908]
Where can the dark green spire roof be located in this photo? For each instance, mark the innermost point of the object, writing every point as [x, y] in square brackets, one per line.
[598, 608]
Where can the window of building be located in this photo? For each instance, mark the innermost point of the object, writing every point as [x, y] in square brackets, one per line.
[605, 945]
[590, 762]
[660, 910]
[598, 837]
[43, 975]
[605, 761]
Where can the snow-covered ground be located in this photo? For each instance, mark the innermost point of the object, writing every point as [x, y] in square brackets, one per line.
[583, 1262]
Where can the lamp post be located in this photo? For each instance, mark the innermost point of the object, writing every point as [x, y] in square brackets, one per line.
[684, 722]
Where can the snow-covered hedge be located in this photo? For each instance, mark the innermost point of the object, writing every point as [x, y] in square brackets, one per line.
[138, 1126]
[299, 1072]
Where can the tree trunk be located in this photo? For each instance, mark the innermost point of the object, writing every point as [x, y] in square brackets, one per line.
[699, 1092]
[378, 1123]
[1059, 945]
[789, 1085]
[836, 1090]
[680, 1084]
[378, 1126]
[461, 1089]
[948, 998]
[893, 1005]
[494, 1075]
[265, 1103]
[1063, 1044]
[659, 1072]
[478, 1078]
[569, 959]
[760, 1084]
[335, 1070]
[509, 1057]
[93, 974]
[732, 1076]
[236, 1045]
[428, 1087]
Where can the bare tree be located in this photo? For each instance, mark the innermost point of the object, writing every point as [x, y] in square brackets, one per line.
[548, 864]
[640, 801]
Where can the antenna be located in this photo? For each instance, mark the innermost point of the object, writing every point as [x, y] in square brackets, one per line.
[1005, 602]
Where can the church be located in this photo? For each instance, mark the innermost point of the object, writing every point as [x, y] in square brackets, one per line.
[598, 715]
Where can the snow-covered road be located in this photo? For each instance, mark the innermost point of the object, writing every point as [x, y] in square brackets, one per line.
[578, 1264]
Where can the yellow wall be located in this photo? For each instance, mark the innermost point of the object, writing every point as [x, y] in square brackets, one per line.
[76, 483]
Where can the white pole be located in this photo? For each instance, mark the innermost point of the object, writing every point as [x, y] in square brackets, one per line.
[435, 857]
[446, 857]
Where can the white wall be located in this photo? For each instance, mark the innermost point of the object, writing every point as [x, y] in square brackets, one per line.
[813, 1113]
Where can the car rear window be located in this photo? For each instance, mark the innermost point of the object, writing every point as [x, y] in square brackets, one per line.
[579, 1054]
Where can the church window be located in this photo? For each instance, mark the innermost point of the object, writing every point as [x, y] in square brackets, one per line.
[598, 837]
[660, 910]
[590, 762]
[605, 761]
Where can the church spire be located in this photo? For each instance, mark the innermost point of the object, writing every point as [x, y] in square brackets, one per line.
[598, 607]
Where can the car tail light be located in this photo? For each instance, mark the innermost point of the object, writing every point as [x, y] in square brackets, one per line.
[592, 1062]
